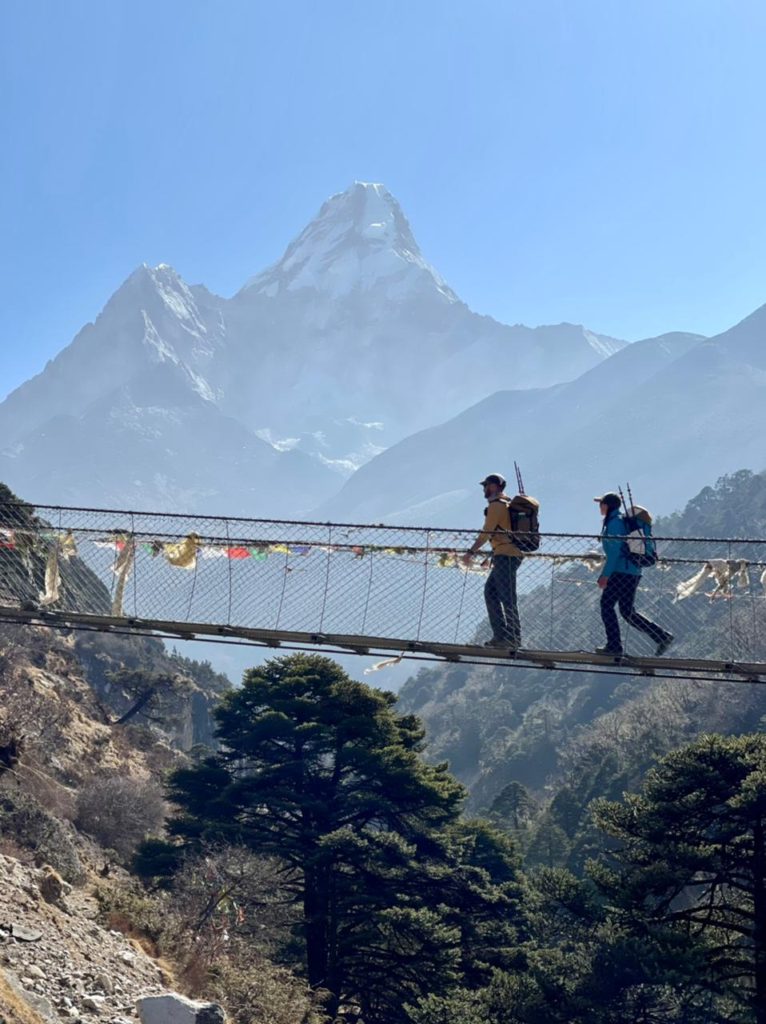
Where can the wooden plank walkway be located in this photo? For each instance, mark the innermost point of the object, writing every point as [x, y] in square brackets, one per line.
[370, 645]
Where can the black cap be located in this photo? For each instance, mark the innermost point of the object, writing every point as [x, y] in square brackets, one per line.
[493, 478]
[610, 499]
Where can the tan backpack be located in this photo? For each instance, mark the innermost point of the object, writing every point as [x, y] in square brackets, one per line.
[525, 524]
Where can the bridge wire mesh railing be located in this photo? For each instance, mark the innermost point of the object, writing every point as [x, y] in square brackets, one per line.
[399, 583]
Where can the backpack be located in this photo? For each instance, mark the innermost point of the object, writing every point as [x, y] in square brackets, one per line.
[639, 547]
[525, 525]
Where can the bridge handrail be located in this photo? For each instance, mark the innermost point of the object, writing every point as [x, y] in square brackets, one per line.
[468, 531]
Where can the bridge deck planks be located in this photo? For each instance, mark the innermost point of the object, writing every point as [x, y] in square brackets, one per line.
[367, 645]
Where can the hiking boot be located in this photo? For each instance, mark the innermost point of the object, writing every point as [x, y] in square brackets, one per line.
[503, 645]
[612, 652]
[663, 645]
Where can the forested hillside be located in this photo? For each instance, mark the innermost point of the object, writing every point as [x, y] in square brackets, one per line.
[734, 507]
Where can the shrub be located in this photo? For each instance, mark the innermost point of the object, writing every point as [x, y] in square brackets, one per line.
[120, 812]
[258, 991]
[52, 795]
[24, 820]
[218, 929]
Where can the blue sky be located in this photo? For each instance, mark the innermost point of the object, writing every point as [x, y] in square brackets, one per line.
[598, 161]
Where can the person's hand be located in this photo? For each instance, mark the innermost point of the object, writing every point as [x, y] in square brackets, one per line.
[467, 558]
[602, 581]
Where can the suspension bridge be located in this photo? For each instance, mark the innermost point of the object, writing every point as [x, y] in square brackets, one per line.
[374, 590]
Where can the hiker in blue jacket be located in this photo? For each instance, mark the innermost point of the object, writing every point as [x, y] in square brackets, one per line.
[619, 582]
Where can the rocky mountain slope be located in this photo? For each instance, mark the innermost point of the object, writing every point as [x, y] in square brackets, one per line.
[58, 961]
[175, 397]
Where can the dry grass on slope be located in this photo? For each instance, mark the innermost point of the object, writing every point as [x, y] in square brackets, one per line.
[13, 1009]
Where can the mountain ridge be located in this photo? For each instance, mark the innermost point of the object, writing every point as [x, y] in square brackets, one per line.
[507, 426]
[347, 343]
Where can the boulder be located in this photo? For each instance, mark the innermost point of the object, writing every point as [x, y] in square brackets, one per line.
[94, 1003]
[170, 1008]
[104, 982]
[52, 886]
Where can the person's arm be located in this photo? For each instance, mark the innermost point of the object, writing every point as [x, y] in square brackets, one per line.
[491, 522]
[612, 544]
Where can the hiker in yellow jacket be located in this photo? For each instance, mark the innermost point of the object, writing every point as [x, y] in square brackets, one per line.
[500, 588]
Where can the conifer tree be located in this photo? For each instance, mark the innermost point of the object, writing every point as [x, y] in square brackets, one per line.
[691, 859]
[323, 774]
[513, 808]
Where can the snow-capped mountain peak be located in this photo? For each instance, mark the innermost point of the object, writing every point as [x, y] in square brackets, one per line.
[345, 345]
[158, 291]
[359, 239]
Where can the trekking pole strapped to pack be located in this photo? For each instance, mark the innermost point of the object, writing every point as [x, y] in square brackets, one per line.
[523, 512]
[519, 481]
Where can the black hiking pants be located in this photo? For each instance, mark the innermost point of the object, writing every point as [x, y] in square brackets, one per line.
[621, 590]
[502, 603]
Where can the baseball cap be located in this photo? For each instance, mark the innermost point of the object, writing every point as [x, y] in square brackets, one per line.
[610, 499]
[493, 478]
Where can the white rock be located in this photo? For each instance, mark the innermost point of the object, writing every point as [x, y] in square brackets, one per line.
[94, 1003]
[104, 982]
[171, 1008]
